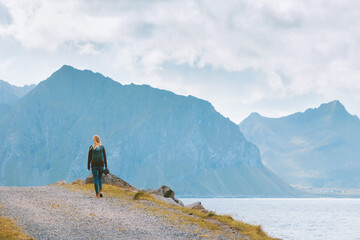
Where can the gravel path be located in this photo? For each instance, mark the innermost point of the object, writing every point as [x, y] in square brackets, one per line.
[52, 212]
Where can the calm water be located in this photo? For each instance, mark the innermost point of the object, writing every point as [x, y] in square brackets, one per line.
[295, 218]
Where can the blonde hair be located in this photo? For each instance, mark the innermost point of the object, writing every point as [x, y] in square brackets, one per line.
[97, 142]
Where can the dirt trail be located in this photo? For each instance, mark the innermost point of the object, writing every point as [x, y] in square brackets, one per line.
[54, 212]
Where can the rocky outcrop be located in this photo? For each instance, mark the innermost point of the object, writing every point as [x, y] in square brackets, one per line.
[169, 201]
[164, 191]
[165, 194]
[112, 180]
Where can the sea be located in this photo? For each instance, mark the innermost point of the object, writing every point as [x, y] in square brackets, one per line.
[293, 218]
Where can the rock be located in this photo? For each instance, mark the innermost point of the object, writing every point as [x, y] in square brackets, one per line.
[112, 180]
[61, 182]
[196, 205]
[166, 193]
[169, 201]
[178, 201]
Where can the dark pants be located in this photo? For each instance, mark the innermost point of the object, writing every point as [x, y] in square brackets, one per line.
[97, 173]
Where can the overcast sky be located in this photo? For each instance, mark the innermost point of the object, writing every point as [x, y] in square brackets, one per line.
[271, 57]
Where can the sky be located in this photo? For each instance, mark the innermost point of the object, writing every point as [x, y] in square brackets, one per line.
[271, 57]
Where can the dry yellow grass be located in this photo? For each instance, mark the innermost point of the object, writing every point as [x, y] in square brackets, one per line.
[10, 230]
[201, 218]
[180, 217]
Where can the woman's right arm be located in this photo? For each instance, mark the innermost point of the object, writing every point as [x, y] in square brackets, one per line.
[105, 161]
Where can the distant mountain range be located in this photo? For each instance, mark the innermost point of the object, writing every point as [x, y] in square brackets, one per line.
[152, 137]
[319, 147]
[9, 95]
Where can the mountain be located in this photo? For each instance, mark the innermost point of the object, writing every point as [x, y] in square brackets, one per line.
[319, 147]
[9, 95]
[152, 137]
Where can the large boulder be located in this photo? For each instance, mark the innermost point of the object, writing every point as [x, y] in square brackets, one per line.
[165, 193]
[112, 180]
[169, 201]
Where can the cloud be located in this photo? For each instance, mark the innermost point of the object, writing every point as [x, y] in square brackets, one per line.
[5, 17]
[87, 48]
[50, 24]
[296, 49]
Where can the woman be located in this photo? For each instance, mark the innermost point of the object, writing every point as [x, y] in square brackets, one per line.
[97, 158]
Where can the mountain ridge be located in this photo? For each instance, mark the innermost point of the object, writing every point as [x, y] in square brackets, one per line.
[317, 147]
[10, 94]
[152, 137]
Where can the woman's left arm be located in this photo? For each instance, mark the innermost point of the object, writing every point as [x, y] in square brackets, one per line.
[89, 157]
